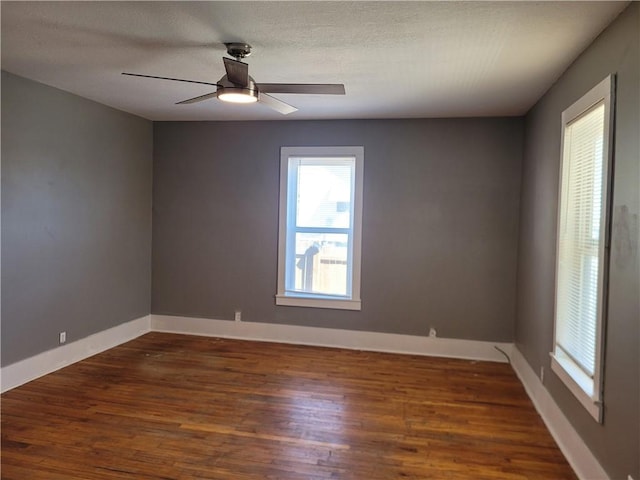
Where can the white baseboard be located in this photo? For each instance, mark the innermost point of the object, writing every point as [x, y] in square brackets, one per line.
[328, 337]
[572, 446]
[34, 367]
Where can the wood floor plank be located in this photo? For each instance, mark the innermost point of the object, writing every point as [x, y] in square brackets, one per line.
[178, 407]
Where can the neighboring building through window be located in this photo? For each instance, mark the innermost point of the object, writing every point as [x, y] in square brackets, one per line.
[582, 248]
[320, 227]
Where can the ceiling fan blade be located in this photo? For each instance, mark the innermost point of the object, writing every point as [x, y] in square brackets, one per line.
[237, 72]
[169, 78]
[278, 105]
[198, 99]
[309, 88]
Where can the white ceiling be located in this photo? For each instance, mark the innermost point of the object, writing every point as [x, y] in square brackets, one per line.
[396, 59]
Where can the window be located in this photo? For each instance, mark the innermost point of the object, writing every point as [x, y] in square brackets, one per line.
[320, 227]
[582, 248]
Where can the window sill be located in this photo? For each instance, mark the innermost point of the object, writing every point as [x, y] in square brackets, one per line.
[318, 302]
[578, 383]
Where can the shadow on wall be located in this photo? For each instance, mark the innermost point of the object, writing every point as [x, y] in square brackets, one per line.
[625, 235]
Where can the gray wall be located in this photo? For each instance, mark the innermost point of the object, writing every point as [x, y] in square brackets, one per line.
[440, 223]
[616, 442]
[76, 217]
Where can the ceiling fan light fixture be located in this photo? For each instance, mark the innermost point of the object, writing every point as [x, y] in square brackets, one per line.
[237, 95]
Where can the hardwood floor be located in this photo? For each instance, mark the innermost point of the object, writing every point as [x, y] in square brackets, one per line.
[182, 407]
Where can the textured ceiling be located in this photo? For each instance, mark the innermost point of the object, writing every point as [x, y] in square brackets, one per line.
[396, 59]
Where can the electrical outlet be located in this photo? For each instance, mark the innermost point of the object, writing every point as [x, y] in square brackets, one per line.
[63, 337]
[432, 332]
[238, 316]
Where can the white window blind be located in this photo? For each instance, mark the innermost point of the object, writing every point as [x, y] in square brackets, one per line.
[581, 263]
[580, 238]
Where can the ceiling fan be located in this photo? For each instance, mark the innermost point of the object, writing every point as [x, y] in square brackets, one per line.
[238, 87]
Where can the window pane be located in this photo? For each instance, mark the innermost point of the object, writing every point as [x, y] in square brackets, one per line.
[324, 195]
[321, 263]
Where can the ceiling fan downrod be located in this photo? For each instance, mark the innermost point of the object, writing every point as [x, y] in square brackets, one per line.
[238, 50]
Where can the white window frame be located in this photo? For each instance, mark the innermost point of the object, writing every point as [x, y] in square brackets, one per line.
[587, 389]
[297, 299]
